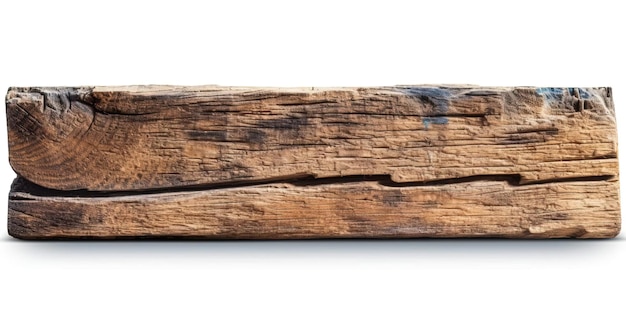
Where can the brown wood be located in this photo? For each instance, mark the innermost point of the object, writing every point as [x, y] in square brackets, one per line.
[231, 162]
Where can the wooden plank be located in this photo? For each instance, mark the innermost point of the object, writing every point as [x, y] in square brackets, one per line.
[129, 138]
[233, 162]
[357, 209]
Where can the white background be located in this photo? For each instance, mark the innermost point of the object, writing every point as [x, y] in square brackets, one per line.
[311, 43]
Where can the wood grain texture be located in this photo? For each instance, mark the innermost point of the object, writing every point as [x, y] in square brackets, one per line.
[233, 162]
[358, 209]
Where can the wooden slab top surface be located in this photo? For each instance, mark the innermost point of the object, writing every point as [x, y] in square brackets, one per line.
[133, 138]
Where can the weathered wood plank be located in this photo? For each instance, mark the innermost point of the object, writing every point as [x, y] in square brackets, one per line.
[128, 138]
[357, 209]
[230, 162]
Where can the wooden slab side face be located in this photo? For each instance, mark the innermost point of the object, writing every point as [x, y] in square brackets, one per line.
[230, 162]
[350, 210]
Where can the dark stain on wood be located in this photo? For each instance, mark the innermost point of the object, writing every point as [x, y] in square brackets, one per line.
[255, 136]
[294, 123]
[393, 198]
[207, 135]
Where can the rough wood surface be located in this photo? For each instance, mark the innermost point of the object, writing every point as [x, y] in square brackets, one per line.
[491, 208]
[230, 162]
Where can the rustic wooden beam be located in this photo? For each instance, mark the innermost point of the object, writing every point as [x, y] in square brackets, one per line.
[231, 162]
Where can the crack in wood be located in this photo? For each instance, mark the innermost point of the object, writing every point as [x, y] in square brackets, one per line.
[21, 187]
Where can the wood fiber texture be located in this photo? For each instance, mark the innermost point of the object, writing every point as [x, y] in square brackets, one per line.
[279, 163]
